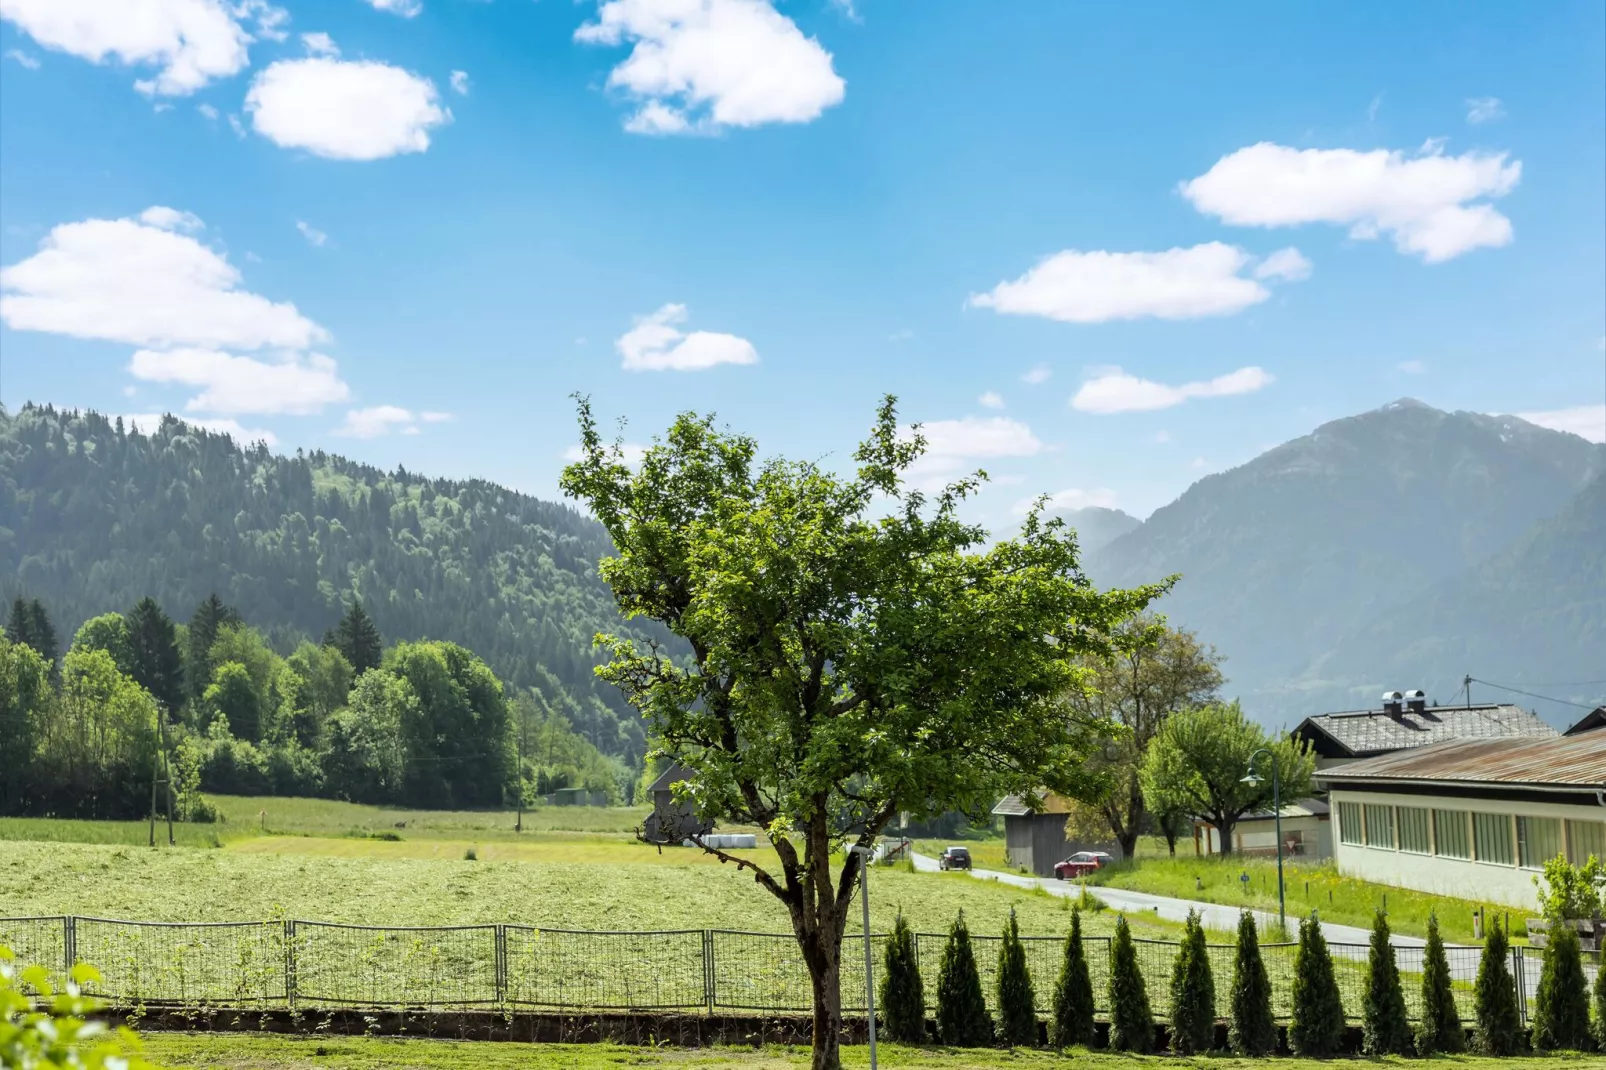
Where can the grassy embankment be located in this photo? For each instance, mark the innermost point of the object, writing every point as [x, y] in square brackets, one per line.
[223, 1051]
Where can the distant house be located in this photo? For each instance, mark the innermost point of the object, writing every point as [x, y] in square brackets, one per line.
[1307, 832]
[1405, 721]
[1595, 718]
[1034, 837]
[672, 822]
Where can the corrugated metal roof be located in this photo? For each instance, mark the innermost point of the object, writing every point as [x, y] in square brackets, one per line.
[1365, 732]
[1565, 761]
[1016, 806]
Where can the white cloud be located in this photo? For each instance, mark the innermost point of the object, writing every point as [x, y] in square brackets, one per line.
[28, 61]
[147, 283]
[1113, 390]
[655, 345]
[1421, 201]
[1040, 373]
[320, 44]
[312, 233]
[376, 421]
[459, 81]
[191, 42]
[237, 126]
[435, 417]
[1484, 109]
[405, 8]
[292, 383]
[1285, 265]
[953, 446]
[1070, 498]
[207, 112]
[1412, 367]
[149, 423]
[1097, 287]
[1198, 464]
[1585, 421]
[633, 453]
[710, 64]
[344, 110]
[991, 400]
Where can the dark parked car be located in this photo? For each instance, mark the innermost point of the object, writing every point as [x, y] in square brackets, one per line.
[1081, 864]
[954, 858]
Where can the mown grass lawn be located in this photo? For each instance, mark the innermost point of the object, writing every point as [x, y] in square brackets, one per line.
[1344, 900]
[224, 1051]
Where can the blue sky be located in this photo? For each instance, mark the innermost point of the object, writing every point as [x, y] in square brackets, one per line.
[1099, 250]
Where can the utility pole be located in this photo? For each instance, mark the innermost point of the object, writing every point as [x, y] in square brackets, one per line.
[524, 728]
[161, 774]
[1466, 682]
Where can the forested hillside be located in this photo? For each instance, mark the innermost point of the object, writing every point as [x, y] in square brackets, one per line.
[94, 516]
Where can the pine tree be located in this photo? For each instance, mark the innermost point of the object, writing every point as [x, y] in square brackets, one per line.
[1561, 1005]
[153, 654]
[1385, 1029]
[1131, 1021]
[19, 626]
[358, 639]
[962, 1019]
[1073, 992]
[1440, 1028]
[1017, 1003]
[210, 615]
[1317, 1025]
[903, 995]
[1495, 998]
[1252, 1030]
[1193, 993]
[42, 634]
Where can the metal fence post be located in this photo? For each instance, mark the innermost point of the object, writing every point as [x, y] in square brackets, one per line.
[1521, 983]
[69, 942]
[501, 965]
[290, 963]
[709, 994]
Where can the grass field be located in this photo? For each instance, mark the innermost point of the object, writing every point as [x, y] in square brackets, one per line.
[1338, 899]
[224, 1051]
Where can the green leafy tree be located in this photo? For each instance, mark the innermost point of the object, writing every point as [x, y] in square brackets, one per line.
[1251, 1029]
[1494, 998]
[1200, 761]
[1569, 892]
[962, 1018]
[209, 616]
[1153, 671]
[276, 686]
[25, 699]
[903, 994]
[108, 632]
[827, 642]
[365, 757]
[459, 748]
[1073, 992]
[1440, 1028]
[1193, 992]
[1561, 1004]
[1131, 1020]
[1017, 1003]
[233, 695]
[1316, 1027]
[50, 1029]
[325, 679]
[1385, 1029]
[154, 659]
[357, 639]
[95, 747]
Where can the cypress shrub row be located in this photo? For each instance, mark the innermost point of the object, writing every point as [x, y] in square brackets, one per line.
[962, 1018]
[1384, 1028]
[1561, 1006]
[1073, 993]
[1494, 999]
[1440, 1028]
[1316, 1027]
[1131, 1021]
[903, 995]
[1017, 1006]
[1252, 1030]
[1193, 993]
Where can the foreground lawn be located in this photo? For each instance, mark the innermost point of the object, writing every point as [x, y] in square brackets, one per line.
[1339, 899]
[223, 1051]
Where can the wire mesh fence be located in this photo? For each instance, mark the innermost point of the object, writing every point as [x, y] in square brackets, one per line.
[287, 963]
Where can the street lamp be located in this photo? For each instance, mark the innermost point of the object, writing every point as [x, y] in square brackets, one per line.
[1277, 816]
[867, 856]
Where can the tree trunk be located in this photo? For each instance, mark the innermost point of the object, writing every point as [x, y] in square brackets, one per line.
[825, 976]
[1128, 842]
[1224, 832]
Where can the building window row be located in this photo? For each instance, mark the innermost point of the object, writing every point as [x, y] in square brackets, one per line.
[1495, 839]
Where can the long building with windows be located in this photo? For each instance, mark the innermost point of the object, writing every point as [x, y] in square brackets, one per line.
[1476, 818]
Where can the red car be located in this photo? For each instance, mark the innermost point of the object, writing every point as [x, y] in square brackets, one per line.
[1081, 864]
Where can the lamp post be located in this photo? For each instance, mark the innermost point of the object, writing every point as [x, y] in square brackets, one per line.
[867, 856]
[1277, 817]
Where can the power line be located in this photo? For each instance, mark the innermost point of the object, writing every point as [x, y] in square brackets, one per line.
[1529, 694]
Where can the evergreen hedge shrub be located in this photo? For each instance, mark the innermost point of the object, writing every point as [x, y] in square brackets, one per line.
[1494, 998]
[1193, 992]
[1073, 992]
[1385, 1029]
[1131, 1021]
[962, 1018]
[903, 994]
[1252, 1030]
[1440, 1028]
[1316, 1027]
[1561, 1006]
[1017, 1007]
[1600, 1002]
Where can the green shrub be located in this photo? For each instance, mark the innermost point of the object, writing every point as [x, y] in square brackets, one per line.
[1561, 1006]
[1252, 1030]
[1494, 998]
[1193, 993]
[1073, 992]
[1017, 1014]
[1131, 1021]
[1384, 1027]
[903, 994]
[1440, 1028]
[962, 1018]
[52, 1029]
[1317, 1025]
[1600, 1003]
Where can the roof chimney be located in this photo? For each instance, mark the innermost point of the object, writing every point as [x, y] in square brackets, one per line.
[1416, 701]
[1392, 704]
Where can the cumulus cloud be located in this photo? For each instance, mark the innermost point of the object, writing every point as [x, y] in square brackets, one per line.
[1484, 109]
[405, 8]
[190, 42]
[291, 383]
[1096, 287]
[991, 400]
[632, 452]
[1039, 373]
[146, 281]
[1113, 390]
[1431, 205]
[148, 423]
[1070, 498]
[320, 44]
[313, 235]
[1285, 265]
[654, 344]
[460, 83]
[380, 420]
[955, 446]
[698, 65]
[1585, 421]
[344, 110]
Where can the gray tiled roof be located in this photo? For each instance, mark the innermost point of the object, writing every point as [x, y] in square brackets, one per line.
[670, 777]
[1016, 806]
[1365, 732]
